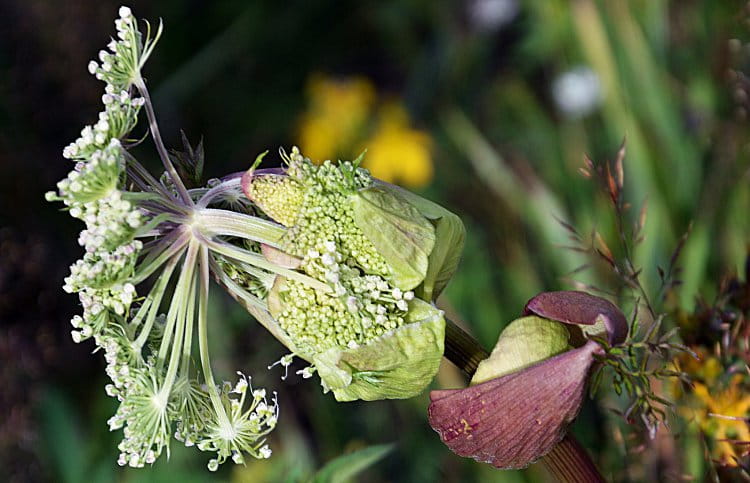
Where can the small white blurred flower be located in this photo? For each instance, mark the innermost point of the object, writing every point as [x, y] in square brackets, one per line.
[491, 15]
[577, 92]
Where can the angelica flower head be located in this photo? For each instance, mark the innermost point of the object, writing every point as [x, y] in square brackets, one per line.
[338, 266]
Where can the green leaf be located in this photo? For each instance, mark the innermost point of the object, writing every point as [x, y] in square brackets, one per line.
[396, 365]
[398, 231]
[66, 455]
[347, 466]
[524, 342]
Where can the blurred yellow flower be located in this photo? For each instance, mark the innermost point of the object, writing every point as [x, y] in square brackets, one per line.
[396, 153]
[722, 417]
[338, 112]
[705, 368]
[341, 113]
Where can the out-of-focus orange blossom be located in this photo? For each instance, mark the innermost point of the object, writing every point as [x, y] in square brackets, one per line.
[344, 118]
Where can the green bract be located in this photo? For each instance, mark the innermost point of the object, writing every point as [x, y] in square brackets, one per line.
[449, 242]
[398, 231]
[397, 365]
[383, 255]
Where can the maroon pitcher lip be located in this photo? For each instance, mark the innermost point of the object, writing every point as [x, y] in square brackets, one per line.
[580, 308]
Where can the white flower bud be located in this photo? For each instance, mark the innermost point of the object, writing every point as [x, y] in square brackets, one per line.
[125, 12]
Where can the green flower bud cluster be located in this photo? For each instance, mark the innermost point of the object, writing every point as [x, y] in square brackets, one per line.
[115, 122]
[359, 309]
[314, 202]
[94, 178]
[248, 420]
[143, 412]
[281, 197]
[110, 222]
[368, 336]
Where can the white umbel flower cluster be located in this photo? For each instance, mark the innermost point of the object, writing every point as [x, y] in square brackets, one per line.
[249, 417]
[116, 120]
[121, 65]
[138, 229]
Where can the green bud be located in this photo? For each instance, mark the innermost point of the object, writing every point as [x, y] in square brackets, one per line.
[279, 196]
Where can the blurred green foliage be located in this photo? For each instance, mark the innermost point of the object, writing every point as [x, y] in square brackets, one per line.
[505, 157]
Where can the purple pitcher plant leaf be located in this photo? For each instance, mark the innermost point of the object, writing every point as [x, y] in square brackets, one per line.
[515, 419]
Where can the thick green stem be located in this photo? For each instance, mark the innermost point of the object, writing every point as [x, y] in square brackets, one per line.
[224, 222]
[236, 253]
[153, 303]
[462, 349]
[568, 461]
[208, 374]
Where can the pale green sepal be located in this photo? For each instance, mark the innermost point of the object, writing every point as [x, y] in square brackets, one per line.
[399, 232]
[396, 365]
[449, 242]
[523, 342]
